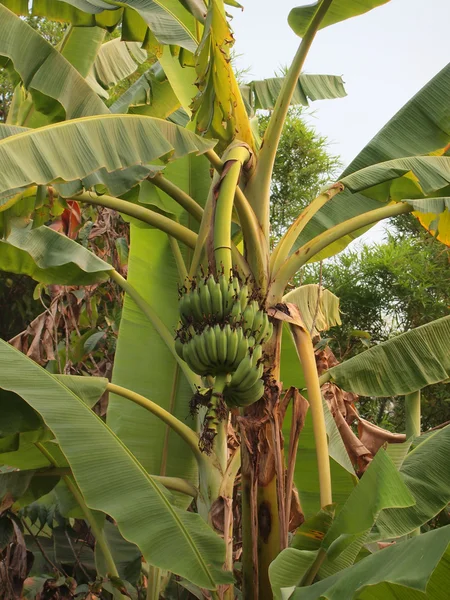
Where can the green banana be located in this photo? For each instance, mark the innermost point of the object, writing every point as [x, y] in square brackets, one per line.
[248, 317]
[216, 298]
[227, 295]
[193, 360]
[258, 322]
[249, 396]
[201, 349]
[251, 378]
[196, 306]
[242, 349]
[184, 308]
[211, 347]
[257, 354]
[241, 372]
[236, 314]
[232, 344]
[221, 344]
[205, 299]
[243, 297]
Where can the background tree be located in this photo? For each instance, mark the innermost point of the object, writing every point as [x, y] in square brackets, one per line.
[303, 165]
[386, 289]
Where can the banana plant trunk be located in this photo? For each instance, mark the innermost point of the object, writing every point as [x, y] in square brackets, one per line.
[262, 472]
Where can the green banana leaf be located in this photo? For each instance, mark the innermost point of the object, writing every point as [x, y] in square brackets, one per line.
[380, 488]
[50, 257]
[306, 476]
[106, 471]
[57, 88]
[422, 126]
[263, 94]
[404, 364]
[432, 172]
[143, 362]
[426, 473]
[149, 96]
[319, 307]
[115, 61]
[98, 144]
[21, 425]
[168, 20]
[80, 46]
[23, 487]
[340, 10]
[62, 11]
[416, 569]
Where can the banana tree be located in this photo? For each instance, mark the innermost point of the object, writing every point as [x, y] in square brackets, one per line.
[214, 359]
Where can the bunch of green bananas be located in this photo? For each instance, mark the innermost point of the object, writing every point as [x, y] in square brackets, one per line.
[246, 384]
[217, 349]
[212, 300]
[222, 332]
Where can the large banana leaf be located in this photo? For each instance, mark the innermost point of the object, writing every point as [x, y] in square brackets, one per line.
[319, 307]
[143, 362]
[422, 126]
[168, 20]
[115, 61]
[113, 481]
[402, 365]
[263, 94]
[80, 46]
[105, 143]
[417, 569]
[148, 96]
[380, 488]
[426, 473]
[432, 173]
[50, 257]
[56, 86]
[61, 11]
[340, 10]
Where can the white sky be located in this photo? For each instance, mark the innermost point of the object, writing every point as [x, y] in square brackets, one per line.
[384, 56]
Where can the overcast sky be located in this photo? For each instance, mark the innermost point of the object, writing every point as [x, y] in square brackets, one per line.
[384, 56]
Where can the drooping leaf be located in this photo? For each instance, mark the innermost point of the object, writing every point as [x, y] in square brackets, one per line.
[80, 46]
[340, 10]
[89, 389]
[432, 172]
[50, 257]
[263, 94]
[150, 95]
[319, 307]
[106, 471]
[97, 144]
[417, 568]
[57, 88]
[402, 365]
[380, 488]
[143, 362]
[17, 415]
[422, 126]
[115, 61]
[127, 557]
[168, 20]
[426, 473]
[64, 12]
